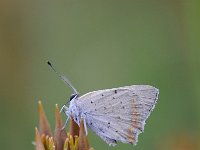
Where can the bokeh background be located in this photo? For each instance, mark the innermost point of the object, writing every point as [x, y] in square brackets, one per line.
[98, 45]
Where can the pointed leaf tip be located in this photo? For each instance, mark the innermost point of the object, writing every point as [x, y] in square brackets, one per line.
[59, 134]
[83, 142]
[36, 130]
[39, 102]
[58, 118]
[74, 128]
[44, 126]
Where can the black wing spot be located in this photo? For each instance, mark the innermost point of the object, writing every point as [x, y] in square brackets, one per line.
[115, 91]
[116, 131]
[91, 102]
[102, 95]
[108, 122]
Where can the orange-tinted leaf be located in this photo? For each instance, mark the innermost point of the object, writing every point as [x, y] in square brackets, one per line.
[44, 126]
[82, 142]
[74, 128]
[59, 134]
[38, 141]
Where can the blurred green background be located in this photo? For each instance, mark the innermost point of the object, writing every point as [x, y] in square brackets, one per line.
[98, 45]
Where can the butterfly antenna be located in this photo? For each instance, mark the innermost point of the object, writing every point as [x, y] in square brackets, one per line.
[63, 78]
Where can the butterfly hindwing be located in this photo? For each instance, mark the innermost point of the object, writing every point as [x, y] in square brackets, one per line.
[118, 114]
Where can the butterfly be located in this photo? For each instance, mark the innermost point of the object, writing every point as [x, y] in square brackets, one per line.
[115, 115]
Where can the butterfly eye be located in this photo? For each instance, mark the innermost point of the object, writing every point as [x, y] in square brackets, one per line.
[72, 96]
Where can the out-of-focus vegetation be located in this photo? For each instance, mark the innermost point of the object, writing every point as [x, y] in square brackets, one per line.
[98, 45]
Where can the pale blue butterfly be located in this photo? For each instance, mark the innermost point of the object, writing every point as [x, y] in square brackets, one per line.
[117, 114]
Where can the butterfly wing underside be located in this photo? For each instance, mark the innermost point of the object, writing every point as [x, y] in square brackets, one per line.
[118, 114]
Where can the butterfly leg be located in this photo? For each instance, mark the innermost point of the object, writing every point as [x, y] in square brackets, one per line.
[64, 108]
[84, 122]
[64, 126]
[85, 126]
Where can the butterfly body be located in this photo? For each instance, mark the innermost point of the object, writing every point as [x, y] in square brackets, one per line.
[117, 114]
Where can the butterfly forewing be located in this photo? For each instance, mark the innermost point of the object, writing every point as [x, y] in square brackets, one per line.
[118, 114]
